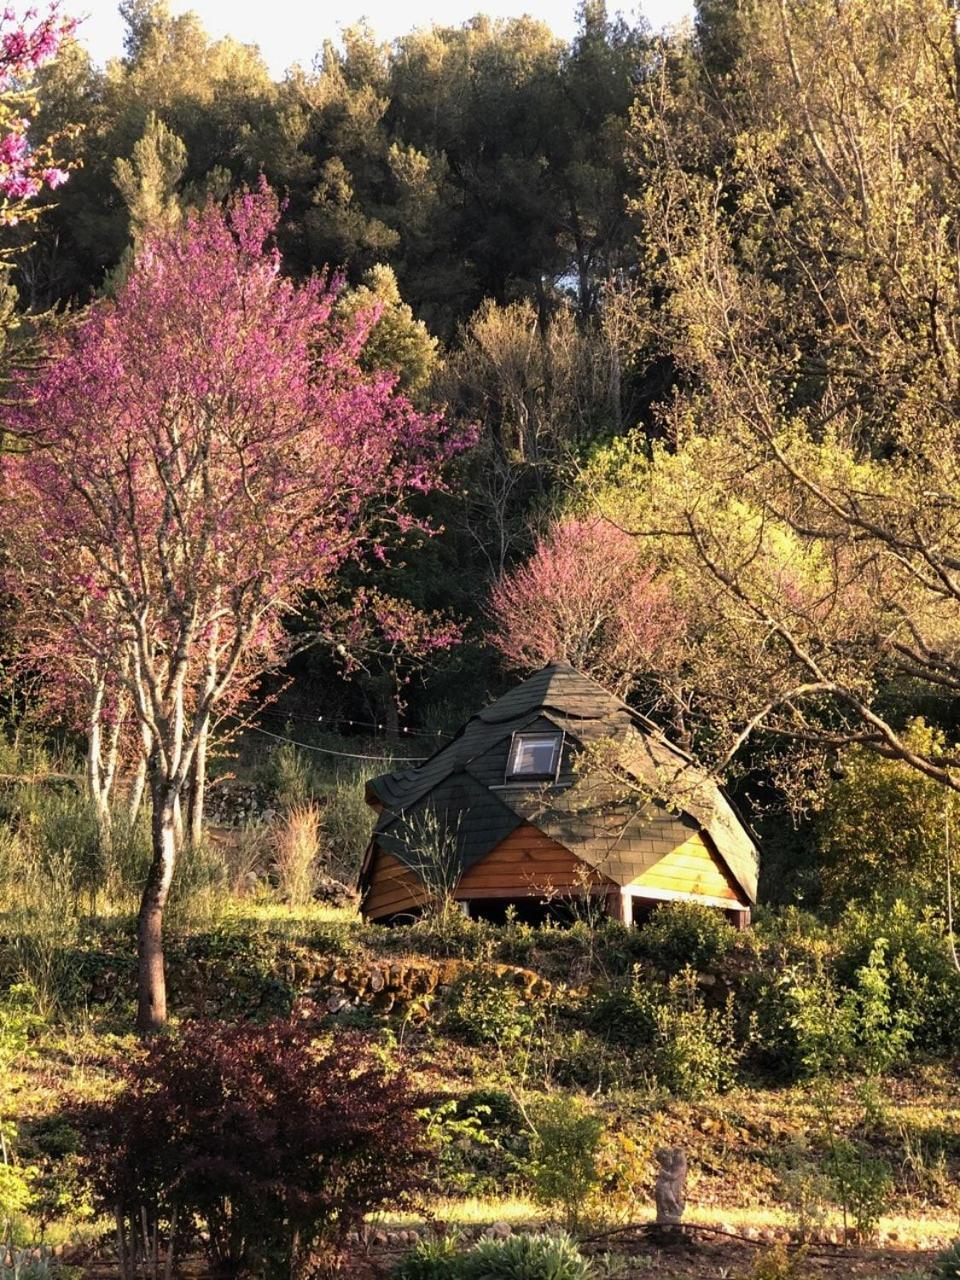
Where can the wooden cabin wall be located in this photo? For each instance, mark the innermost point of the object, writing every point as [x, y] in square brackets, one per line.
[691, 868]
[527, 863]
[392, 888]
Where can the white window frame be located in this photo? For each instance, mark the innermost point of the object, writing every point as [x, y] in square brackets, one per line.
[554, 736]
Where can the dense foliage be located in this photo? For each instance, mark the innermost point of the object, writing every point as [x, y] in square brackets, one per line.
[277, 1144]
[693, 300]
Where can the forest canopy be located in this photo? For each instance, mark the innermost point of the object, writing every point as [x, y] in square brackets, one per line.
[692, 295]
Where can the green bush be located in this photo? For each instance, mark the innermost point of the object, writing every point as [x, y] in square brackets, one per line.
[923, 981]
[563, 1169]
[497, 1110]
[527, 1257]
[689, 1048]
[486, 1009]
[437, 1258]
[778, 1264]
[489, 1165]
[863, 1028]
[946, 1265]
[686, 934]
[862, 1184]
[288, 775]
[346, 821]
[519, 1257]
[459, 1140]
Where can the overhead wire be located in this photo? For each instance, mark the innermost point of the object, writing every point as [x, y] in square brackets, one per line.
[328, 751]
[332, 721]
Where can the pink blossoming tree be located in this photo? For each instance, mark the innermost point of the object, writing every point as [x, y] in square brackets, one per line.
[204, 449]
[585, 597]
[26, 43]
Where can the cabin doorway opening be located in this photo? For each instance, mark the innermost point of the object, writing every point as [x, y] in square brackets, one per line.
[527, 910]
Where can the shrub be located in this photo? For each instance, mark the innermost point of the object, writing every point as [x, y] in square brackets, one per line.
[459, 1139]
[685, 1046]
[527, 1257]
[497, 1110]
[946, 1265]
[862, 1184]
[564, 1163]
[483, 1139]
[922, 978]
[437, 1258]
[486, 1009]
[276, 1145]
[296, 844]
[804, 1187]
[686, 934]
[692, 1050]
[520, 1257]
[16, 1188]
[861, 1028]
[346, 821]
[288, 775]
[779, 1264]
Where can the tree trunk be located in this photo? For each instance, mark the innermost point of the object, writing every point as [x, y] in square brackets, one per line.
[137, 787]
[178, 822]
[139, 782]
[198, 791]
[152, 986]
[94, 768]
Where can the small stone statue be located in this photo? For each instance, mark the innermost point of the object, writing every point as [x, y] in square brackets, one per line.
[670, 1189]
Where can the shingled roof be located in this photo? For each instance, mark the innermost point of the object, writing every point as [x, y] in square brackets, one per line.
[632, 799]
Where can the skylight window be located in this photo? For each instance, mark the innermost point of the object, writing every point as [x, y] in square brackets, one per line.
[534, 756]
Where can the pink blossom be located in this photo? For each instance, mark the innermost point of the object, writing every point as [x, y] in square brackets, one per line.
[585, 596]
[130, 542]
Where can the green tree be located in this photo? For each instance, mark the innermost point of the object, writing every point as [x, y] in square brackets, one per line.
[398, 341]
[800, 215]
[882, 831]
[215, 96]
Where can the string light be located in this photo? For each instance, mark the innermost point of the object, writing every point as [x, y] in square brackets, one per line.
[331, 722]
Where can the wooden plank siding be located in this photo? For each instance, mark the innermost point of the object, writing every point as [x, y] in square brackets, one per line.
[526, 864]
[529, 864]
[692, 868]
[392, 888]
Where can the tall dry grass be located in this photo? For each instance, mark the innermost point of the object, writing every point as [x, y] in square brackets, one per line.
[296, 845]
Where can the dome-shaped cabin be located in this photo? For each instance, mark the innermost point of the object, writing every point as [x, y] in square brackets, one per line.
[556, 792]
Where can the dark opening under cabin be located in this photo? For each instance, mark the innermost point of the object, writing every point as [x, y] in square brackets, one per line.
[556, 792]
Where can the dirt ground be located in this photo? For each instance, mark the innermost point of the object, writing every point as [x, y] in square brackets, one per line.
[704, 1257]
[698, 1257]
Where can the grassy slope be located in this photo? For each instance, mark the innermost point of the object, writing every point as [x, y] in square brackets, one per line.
[733, 1141]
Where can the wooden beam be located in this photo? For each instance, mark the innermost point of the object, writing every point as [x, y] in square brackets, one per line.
[675, 895]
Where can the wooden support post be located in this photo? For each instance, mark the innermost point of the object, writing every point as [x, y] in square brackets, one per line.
[615, 904]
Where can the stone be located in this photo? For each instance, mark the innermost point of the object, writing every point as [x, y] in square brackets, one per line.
[670, 1191]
